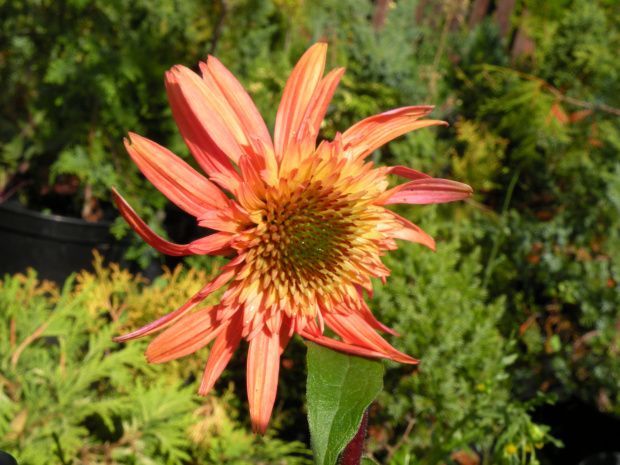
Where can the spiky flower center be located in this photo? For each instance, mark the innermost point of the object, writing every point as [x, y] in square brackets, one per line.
[313, 240]
[305, 238]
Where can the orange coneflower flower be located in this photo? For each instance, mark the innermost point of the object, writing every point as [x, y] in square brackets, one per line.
[307, 227]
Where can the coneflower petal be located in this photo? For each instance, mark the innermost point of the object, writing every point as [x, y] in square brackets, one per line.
[213, 244]
[138, 225]
[221, 352]
[173, 177]
[405, 172]
[312, 333]
[188, 110]
[311, 123]
[425, 191]
[190, 334]
[262, 382]
[298, 93]
[365, 137]
[369, 318]
[211, 109]
[410, 232]
[352, 328]
[231, 217]
[241, 107]
[188, 306]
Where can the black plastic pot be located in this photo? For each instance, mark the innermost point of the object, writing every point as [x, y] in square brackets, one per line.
[54, 245]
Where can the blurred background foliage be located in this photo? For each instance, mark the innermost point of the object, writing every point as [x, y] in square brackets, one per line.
[518, 307]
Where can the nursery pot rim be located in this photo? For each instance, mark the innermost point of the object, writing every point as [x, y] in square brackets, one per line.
[52, 226]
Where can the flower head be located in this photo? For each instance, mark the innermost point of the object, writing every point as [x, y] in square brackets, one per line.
[306, 229]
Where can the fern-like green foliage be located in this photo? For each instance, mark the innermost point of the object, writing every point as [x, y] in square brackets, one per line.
[578, 55]
[61, 373]
[70, 395]
[480, 162]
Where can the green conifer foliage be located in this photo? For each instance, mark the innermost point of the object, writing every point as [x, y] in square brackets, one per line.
[459, 396]
[70, 395]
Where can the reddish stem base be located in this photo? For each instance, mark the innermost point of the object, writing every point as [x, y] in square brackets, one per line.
[352, 454]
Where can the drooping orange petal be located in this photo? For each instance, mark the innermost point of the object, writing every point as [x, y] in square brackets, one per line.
[187, 336]
[223, 348]
[170, 318]
[425, 191]
[263, 369]
[298, 93]
[371, 133]
[312, 333]
[146, 233]
[199, 123]
[173, 177]
[369, 318]
[353, 329]
[411, 232]
[406, 172]
[213, 244]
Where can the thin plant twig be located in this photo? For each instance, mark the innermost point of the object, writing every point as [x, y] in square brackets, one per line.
[37, 332]
[556, 93]
[403, 439]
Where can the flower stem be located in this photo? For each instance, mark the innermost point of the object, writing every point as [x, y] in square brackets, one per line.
[352, 454]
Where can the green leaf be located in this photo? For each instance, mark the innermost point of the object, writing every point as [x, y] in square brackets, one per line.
[340, 388]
